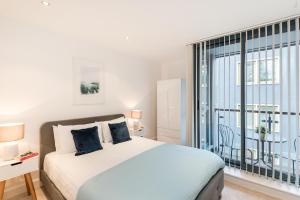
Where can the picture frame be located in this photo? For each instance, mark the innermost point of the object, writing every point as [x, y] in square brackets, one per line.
[88, 82]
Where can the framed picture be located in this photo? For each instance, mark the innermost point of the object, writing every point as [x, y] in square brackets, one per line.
[88, 83]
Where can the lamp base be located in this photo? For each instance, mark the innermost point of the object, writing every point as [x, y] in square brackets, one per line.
[137, 125]
[9, 151]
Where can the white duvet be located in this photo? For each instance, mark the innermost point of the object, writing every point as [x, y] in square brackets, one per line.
[69, 172]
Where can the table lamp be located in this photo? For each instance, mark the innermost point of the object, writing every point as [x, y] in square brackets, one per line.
[9, 136]
[136, 115]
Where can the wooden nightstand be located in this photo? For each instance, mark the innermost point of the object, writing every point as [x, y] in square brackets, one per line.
[10, 169]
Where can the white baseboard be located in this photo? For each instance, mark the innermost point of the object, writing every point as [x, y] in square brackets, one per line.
[261, 184]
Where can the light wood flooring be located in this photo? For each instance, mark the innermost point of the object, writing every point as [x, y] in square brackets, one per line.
[235, 192]
[230, 192]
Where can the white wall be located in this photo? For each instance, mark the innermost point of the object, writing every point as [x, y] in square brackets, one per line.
[173, 69]
[36, 79]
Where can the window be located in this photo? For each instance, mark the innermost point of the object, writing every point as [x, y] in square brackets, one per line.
[266, 73]
[249, 71]
[261, 75]
[254, 119]
[264, 118]
[251, 80]
[250, 116]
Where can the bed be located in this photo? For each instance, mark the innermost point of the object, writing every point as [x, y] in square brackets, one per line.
[105, 170]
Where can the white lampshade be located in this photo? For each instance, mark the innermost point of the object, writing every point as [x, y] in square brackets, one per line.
[9, 135]
[136, 114]
[11, 132]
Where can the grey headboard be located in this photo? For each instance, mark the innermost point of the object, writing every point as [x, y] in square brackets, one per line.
[47, 144]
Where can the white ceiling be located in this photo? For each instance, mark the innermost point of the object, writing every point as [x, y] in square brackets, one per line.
[157, 29]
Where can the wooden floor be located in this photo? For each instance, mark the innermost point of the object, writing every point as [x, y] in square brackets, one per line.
[235, 192]
[230, 192]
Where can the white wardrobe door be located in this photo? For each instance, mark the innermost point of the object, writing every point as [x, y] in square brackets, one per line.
[162, 104]
[169, 140]
[168, 133]
[174, 92]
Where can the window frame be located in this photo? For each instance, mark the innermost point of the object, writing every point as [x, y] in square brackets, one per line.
[256, 75]
[256, 116]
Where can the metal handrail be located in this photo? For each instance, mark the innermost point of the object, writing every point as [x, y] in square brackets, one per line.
[256, 111]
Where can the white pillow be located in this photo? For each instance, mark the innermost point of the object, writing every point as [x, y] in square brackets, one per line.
[64, 142]
[56, 139]
[105, 128]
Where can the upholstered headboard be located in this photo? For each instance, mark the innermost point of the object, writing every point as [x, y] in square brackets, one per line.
[47, 144]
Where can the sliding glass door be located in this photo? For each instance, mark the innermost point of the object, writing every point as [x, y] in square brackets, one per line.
[246, 99]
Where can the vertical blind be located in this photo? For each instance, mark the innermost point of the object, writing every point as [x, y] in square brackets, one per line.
[246, 99]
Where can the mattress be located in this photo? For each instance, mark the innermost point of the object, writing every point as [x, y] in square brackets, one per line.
[69, 172]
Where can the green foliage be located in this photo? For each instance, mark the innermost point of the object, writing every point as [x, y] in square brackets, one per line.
[262, 130]
[91, 88]
[84, 89]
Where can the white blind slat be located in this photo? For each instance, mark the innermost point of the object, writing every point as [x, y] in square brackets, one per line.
[273, 99]
[259, 107]
[246, 93]
[253, 71]
[281, 97]
[297, 102]
[289, 98]
[224, 97]
[266, 88]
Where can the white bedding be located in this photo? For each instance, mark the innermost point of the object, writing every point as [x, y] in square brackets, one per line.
[69, 172]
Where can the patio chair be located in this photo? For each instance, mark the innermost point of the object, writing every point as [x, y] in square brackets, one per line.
[293, 155]
[227, 141]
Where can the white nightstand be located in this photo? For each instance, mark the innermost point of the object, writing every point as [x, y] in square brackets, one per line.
[139, 132]
[10, 169]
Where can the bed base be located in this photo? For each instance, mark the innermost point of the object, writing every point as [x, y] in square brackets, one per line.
[213, 189]
[49, 188]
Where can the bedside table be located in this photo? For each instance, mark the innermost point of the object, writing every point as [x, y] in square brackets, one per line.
[139, 132]
[11, 169]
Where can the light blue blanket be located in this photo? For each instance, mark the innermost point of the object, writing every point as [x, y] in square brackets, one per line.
[166, 172]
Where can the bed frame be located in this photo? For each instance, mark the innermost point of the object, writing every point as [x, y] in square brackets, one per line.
[212, 191]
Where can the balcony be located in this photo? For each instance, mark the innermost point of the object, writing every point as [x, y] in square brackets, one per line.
[266, 151]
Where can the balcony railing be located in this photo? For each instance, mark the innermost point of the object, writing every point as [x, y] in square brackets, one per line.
[279, 160]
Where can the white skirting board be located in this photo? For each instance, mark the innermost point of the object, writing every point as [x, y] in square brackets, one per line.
[261, 184]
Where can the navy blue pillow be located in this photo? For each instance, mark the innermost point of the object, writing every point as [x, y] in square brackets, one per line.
[119, 132]
[86, 140]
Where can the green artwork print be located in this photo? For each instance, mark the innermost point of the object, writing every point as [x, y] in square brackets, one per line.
[89, 88]
[89, 83]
